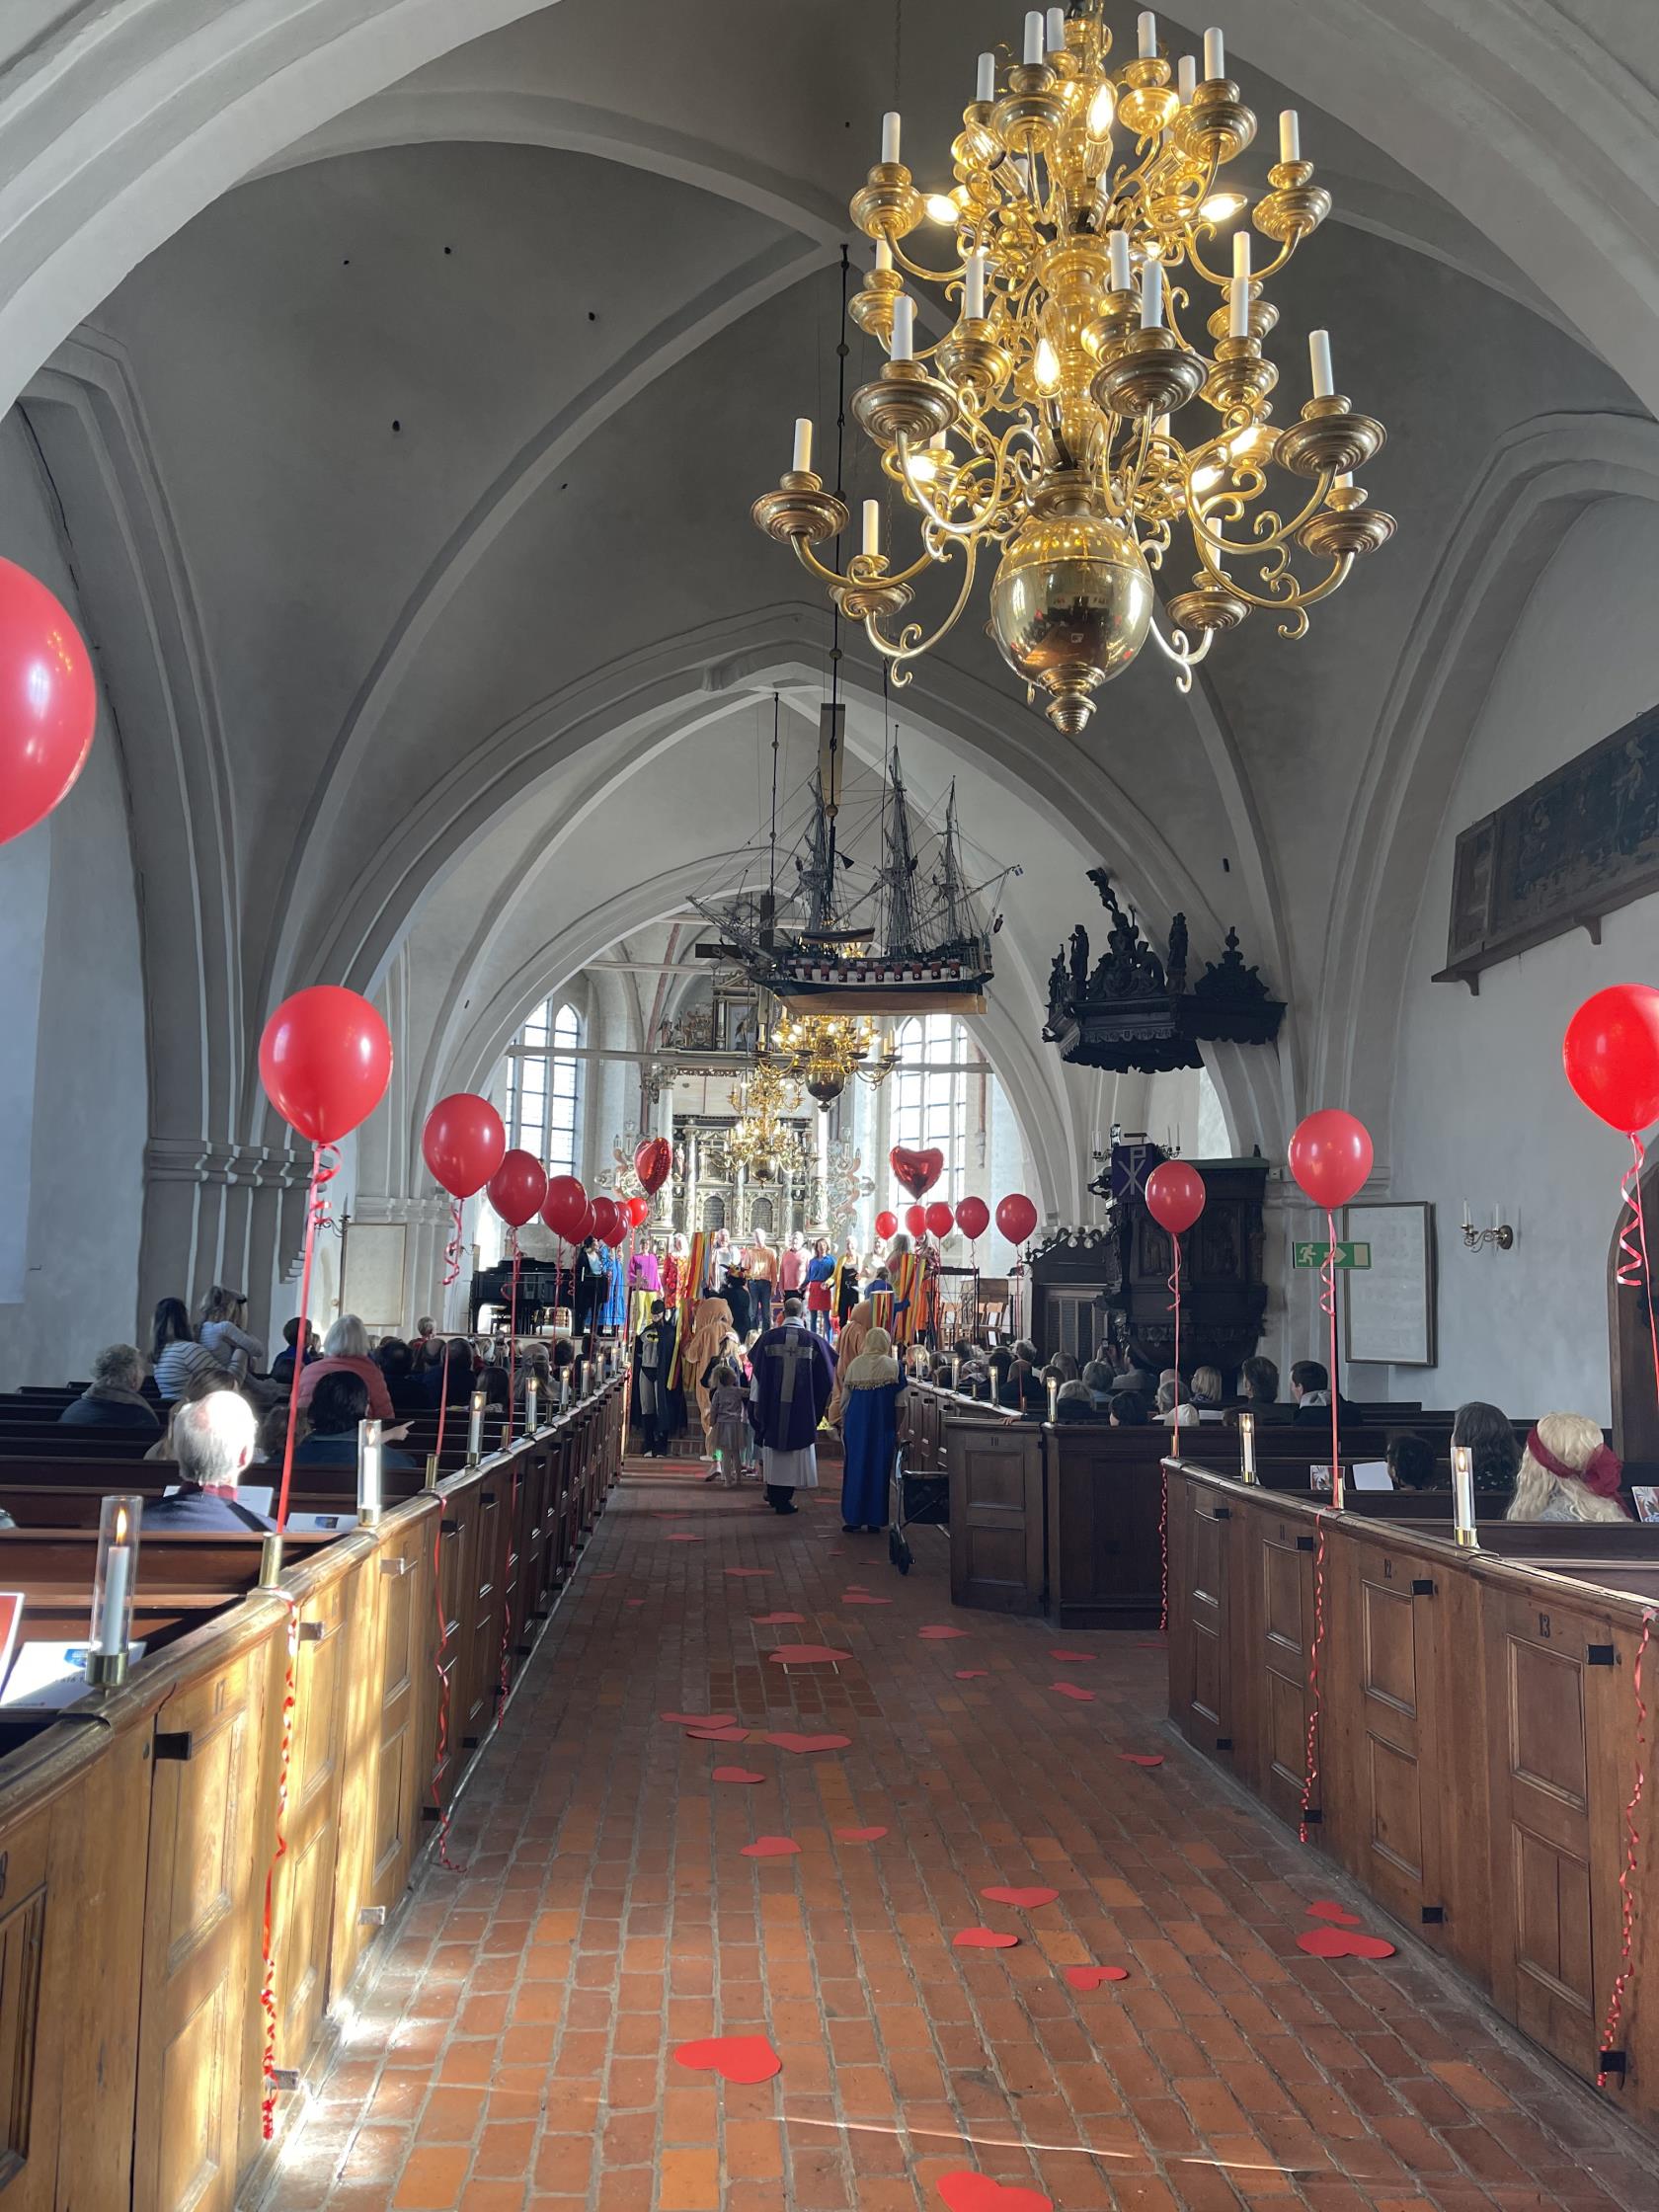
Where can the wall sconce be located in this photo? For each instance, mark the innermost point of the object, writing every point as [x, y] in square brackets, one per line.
[1500, 1235]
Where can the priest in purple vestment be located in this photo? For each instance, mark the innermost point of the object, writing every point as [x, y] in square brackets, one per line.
[794, 1375]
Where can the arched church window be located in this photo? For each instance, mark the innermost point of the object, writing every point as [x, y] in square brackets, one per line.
[544, 1087]
[930, 1094]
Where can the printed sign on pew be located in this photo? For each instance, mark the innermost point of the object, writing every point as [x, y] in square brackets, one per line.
[1348, 1254]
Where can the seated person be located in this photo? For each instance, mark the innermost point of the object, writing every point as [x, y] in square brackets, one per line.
[175, 1355]
[212, 1439]
[1000, 1367]
[1031, 1393]
[1207, 1390]
[396, 1361]
[1065, 1366]
[534, 1362]
[1567, 1474]
[425, 1332]
[1128, 1410]
[1311, 1388]
[281, 1367]
[1493, 1444]
[1411, 1463]
[1076, 1403]
[338, 1403]
[1258, 1381]
[346, 1352]
[223, 1330]
[114, 1399]
[1174, 1416]
[1138, 1371]
[1096, 1378]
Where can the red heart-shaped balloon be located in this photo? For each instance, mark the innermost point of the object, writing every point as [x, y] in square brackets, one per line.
[805, 1654]
[917, 1171]
[1026, 1899]
[776, 1620]
[771, 1847]
[786, 1739]
[1327, 1908]
[653, 1164]
[977, 2192]
[735, 2058]
[1142, 1758]
[1342, 1942]
[1095, 1977]
[1071, 1690]
[699, 1719]
[734, 1774]
[861, 1835]
[983, 1939]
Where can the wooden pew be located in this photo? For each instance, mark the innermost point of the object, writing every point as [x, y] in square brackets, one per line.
[1476, 1742]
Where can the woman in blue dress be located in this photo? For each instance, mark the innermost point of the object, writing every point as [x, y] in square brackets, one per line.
[871, 1384]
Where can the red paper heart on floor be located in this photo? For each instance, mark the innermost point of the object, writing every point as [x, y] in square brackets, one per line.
[777, 1620]
[699, 1719]
[685, 1539]
[1327, 1908]
[1095, 1977]
[1063, 1657]
[786, 1741]
[636, 1601]
[1142, 1758]
[1342, 1942]
[1026, 1899]
[747, 1571]
[771, 1847]
[972, 1674]
[937, 1635]
[734, 1774]
[1071, 1690]
[735, 2058]
[983, 1939]
[717, 1735]
[977, 2192]
[805, 1654]
[860, 1835]
[863, 1598]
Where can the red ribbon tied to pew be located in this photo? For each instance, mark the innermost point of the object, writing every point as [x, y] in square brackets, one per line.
[268, 1954]
[1627, 1872]
[1316, 1693]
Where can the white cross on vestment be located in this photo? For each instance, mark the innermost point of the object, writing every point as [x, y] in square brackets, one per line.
[796, 1347]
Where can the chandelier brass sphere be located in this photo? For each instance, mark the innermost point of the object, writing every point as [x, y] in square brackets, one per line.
[1052, 424]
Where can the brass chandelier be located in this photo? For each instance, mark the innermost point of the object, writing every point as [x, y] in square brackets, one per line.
[761, 1140]
[1086, 210]
[824, 1052]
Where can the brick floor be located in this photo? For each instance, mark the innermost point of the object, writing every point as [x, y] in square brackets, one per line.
[515, 2054]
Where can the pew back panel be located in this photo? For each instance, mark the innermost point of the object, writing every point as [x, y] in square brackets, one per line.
[996, 1515]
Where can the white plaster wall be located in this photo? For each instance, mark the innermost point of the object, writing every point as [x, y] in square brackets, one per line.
[74, 1093]
[1482, 1107]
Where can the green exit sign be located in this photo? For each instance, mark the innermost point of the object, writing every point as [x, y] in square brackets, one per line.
[1347, 1255]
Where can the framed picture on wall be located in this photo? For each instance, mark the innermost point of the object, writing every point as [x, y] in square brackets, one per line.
[1389, 1308]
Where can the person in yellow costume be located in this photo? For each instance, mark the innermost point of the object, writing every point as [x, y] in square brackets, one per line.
[711, 1322]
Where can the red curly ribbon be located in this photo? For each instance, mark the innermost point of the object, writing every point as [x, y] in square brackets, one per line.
[1327, 1307]
[1633, 1272]
[1174, 1445]
[1633, 1850]
[443, 1857]
[323, 1172]
[1314, 1694]
[451, 1275]
[268, 1988]
[511, 1339]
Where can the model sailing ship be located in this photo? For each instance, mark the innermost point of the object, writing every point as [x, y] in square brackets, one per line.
[913, 941]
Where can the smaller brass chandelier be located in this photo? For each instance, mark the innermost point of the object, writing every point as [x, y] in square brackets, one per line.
[761, 1142]
[824, 1052]
[1042, 425]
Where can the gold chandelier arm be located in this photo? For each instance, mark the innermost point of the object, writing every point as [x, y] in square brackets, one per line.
[941, 277]
[1294, 601]
[1283, 534]
[810, 561]
[836, 582]
[909, 644]
[992, 501]
[1177, 646]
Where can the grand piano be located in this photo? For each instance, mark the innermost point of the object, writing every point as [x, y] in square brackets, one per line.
[542, 1286]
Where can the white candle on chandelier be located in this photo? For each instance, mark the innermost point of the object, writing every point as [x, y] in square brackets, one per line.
[1145, 35]
[1033, 36]
[1238, 318]
[1290, 135]
[883, 254]
[1345, 481]
[1186, 79]
[1320, 357]
[903, 328]
[890, 136]
[1117, 249]
[973, 286]
[985, 89]
[1151, 297]
[1056, 36]
[870, 543]
[1215, 56]
[803, 446]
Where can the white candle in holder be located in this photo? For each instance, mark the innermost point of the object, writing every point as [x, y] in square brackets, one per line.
[1462, 1493]
[802, 462]
[870, 541]
[973, 286]
[903, 328]
[1290, 135]
[1320, 360]
[1056, 36]
[1145, 35]
[1151, 297]
[1239, 306]
[1117, 249]
[890, 138]
[1033, 36]
[984, 87]
[1186, 79]
[1215, 56]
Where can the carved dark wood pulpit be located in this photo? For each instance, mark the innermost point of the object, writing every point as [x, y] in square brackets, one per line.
[1112, 1285]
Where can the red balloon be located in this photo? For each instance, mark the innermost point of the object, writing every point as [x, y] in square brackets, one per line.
[586, 1224]
[941, 1219]
[653, 1164]
[1175, 1196]
[518, 1188]
[565, 1206]
[463, 1142]
[610, 1221]
[916, 1218]
[917, 1172]
[325, 1060]
[1330, 1156]
[638, 1209]
[1016, 1217]
[1611, 1052]
[887, 1224]
[972, 1217]
[49, 709]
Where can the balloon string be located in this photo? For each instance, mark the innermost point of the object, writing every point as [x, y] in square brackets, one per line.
[323, 1172]
[1632, 1849]
[1327, 1306]
[1174, 1445]
[1634, 1271]
[1312, 1769]
[507, 1598]
[511, 1339]
[443, 1857]
[451, 1276]
[268, 1987]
